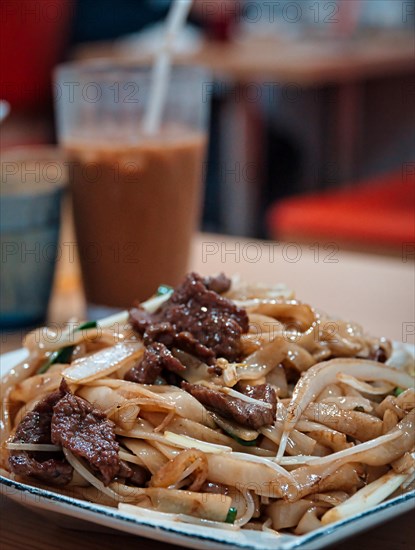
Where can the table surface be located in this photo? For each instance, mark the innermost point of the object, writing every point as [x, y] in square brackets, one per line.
[377, 291]
[309, 61]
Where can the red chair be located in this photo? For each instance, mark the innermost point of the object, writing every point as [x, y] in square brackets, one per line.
[34, 35]
[376, 215]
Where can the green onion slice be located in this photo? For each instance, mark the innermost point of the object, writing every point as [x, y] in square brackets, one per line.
[231, 517]
[164, 289]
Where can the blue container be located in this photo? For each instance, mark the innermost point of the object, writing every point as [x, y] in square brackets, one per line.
[32, 183]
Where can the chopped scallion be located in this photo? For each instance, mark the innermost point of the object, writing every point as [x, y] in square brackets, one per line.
[243, 441]
[231, 517]
[164, 289]
[86, 325]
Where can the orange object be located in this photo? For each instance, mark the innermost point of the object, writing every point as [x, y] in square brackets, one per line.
[377, 213]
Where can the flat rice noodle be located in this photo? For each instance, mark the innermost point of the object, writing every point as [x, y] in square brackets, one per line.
[298, 443]
[342, 346]
[285, 515]
[278, 379]
[406, 400]
[181, 401]
[317, 377]
[28, 389]
[261, 362]
[196, 370]
[389, 403]
[319, 479]
[259, 478]
[381, 451]
[405, 464]
[358, 425]
[390, 420]
[330, 498]
[102, 397]
[184, 404]
[152, 459]
[310, 520]
[289, 312]
[348, 402]
[211, 506]
[328, 437]
[264, 327]
[330, 391]
[176, 470]
[298, 358]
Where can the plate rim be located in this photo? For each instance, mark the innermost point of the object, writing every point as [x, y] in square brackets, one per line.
[296, 542]
[318, 538]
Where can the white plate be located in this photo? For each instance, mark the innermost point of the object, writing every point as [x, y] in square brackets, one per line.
[194, 536]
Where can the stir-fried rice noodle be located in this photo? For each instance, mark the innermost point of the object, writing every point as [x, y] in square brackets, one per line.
[339, 438]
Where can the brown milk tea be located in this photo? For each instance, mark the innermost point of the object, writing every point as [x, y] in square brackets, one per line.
[135, 210]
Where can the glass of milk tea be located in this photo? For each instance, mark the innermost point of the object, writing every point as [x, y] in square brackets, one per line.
[136, 196]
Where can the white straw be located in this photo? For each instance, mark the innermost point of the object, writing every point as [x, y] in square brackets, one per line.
[176, 18]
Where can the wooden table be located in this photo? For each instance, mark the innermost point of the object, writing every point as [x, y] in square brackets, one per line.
[378, 292]
[308, 61]
[251, 73]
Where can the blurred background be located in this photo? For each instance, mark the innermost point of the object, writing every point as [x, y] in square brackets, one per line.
[312, 123]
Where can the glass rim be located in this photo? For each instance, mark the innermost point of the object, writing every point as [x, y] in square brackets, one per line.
[101, 66]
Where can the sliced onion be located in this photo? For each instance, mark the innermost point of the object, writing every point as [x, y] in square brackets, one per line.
[152, 304]
[365, 498]
[191, 443]
[288, 311]
[102, 363]
[117, 319]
